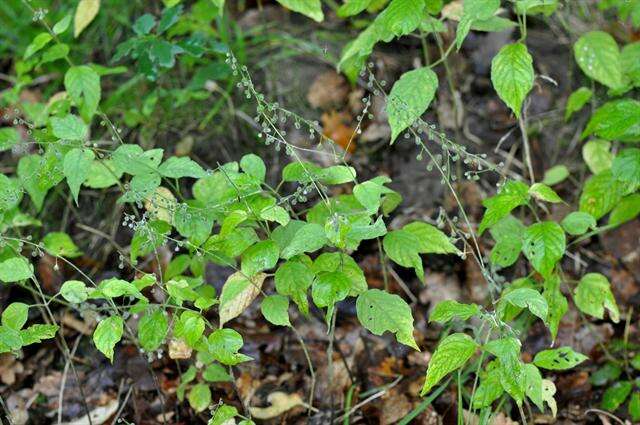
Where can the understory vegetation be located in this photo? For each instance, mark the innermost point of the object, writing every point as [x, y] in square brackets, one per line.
[320, 211]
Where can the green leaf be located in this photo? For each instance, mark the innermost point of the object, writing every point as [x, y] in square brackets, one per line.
[616, 120]
[9, 137]
[511, 369]
[310, 8]
[609, 372]
[275, 308]
[452, 353]
[10, 193]
[74, 291]
[445, 311]
[216, 373]
[556, 302]
[630, 59]
[152, 330]
[511, 195]
[107, 334]
[512, 75]
[490, 388]
[113, 288]
[190, 327]
[254, 166]
[62, 25]
[238, 293]
[15, 316]
[473, 11]
[559, 359]
[379, 311]
[615, 395]
[530, 299]
[224, 415]
[544, 193]
[598, 55]
[178, 167]
[409, 98]
[147, 237]
[627, 209]
[102, 174]
[144, 24]
[15, 269]
[544, 245]
[338, 261]
[534, 7]
[306, 172]
[431, 239]
[261, 256]
[600, 194]
[76, 168]
[61, 244]
[626, 166]
[70, 127]
[634, 406]
[199, 397]
[593, 294]
[83, 85]
[533, 385]
[597, 155]
[37, 44]
[578, 223]
[403, 248]
[576, 101]
[352, 7]
[131, 159]
[328, 289]
[224, 345]
[293, 279]
[506, 252]
[36, 333]
[555, 175]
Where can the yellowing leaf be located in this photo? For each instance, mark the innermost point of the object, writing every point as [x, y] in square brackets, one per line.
[85, 13]
[280, 403]
[237, 294]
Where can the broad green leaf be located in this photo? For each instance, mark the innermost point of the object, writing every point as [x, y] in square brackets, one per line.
[593, 294]
[511, 195]
[298, 237]
[578, 223]
[307, 172]
[310, 8]
[15, 269]
[74, 291]
[216, 373]
[506, 252]
[70, 127]
[61, 244]
[275, 308]
[147, 237]
[511, 369]
[62, 25]
[615, 395]
[431, 239]
[34, 334]
[634, 406]
[626, 166]
[352, 7]
[452, 353]
[113, 288]
[403, 248]
[530, 299]
[445, 311]
[472, 12]
[616, 120]
[559, 358]
[237, 294]
[224, 415]
[144, 24]
[10, 193]
[85, 13]
[38, 174]
[597, 154]
[598, 55]
[224, 345]
[293, 279]
[102, 174]
[576, 101]
[630, 59]
[555, 175]
[83, 86]
[76, 168]
[409, 98]
[379, 311]
[556, 302]
[534, 7]
[533, 385]
[132, 159]
[600, 194]
[609, 372]
[627, 209]
[544, 193]
[189, 326]
[9, 137]
[38, 43]
[254, 166]
[199, 397]
[370, 193]
[178, 167]
[328, 289]
[152, 330]
[107, 334]
[261, 256]
[338, 261]
[490, 388]
[544, 245]
[15, 316]
[512, 75]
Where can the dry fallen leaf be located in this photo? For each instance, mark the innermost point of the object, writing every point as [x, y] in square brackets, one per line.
[328, 90]
[280, 403]
[178, 349]
[99, 415]
[9, 368]
[334, 127]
